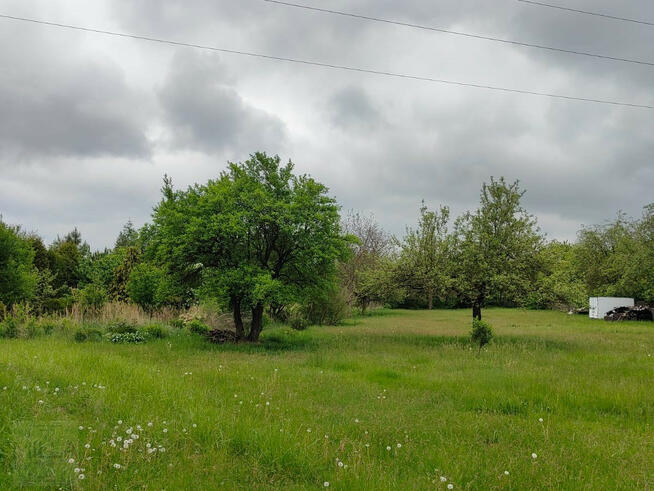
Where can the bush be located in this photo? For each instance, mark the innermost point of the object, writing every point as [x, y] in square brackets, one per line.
[3, 311]
[121, 327]
[80, 335]
[177, 323]
[481, 333]
[196, 326]
[48, 325]
[127, 337]
[156, 331]
[299, 323]
[9, 328]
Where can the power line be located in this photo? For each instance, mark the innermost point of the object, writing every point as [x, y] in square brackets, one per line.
[325, 65]
[458, 33]
[586, 12]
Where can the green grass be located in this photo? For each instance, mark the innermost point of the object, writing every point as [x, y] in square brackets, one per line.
[339, 394]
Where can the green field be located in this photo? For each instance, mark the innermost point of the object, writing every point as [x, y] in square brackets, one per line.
[390, 401]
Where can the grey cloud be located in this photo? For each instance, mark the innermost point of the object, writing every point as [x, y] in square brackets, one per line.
[206, 113]
[57, 104]
[352, 108]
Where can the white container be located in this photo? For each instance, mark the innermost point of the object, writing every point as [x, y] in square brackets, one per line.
[599, 306]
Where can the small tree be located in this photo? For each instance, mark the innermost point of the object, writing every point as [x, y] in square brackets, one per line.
[91, 298]
[143, 285]
[423, 265]
[17, 273]
[496, 247]
[481, 333]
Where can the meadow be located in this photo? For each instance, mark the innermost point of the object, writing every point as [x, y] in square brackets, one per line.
[393, 400]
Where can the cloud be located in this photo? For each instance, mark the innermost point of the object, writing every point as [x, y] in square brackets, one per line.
[54, 104]
[204, 112]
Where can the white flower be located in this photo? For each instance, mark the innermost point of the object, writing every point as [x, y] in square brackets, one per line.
[162, 449]
[164, 423]
[326, 483]
[327, 436]
[506, 473]
[443, 478]
[267, 403]
[4, 388]
[194, 425]
[88, 445]
[119, 438]
[340, 464]
[128, 431]
[117, 466]
[165, 430]
[71, 461]
[81, 428]
[367, 445]
[120, 421]
[150, 423]
[135, 436]
[450, 486]
[77, 469]
[540, 420]
[148, 445]
[308, 430]
[533, 455]
[40, 401]
[356, 420]
[388, 447]
[81, 476]
[399, 445]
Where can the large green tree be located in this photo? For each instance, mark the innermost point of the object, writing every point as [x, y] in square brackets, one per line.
[258, 234]
[496, 248]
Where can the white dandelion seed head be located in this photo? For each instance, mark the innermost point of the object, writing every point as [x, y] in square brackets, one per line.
[533, 456]
[71, 461]
[150, 423]
[326, 483]
[81, 428]
[77, 470]
[194, 425]
[506, 473]
[165, 430]
[88, 445]
[388, 447]
[540, 420]
[450, 486]
[81, 476]
[117, 466]
[120, 421]
[340, 464]
[443, 478]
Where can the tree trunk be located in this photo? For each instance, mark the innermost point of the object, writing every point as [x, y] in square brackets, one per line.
[257, 323]
[364, 306]
[430, 300]
[238, 320]
[477, 304]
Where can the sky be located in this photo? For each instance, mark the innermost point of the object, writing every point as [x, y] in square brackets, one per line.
[89, 124]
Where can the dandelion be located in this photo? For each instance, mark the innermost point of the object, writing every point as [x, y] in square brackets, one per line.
[399, 445]
[540, 420]
[56, 389]
[533, 456]
[4, 388]
[162, 449]
[117, 466]
[340, 464]
[71, 461]
[165, 430]
[194, 425]
[24, 387]
[506, 473]
[450, 486]
[81, 428]
[326, 483]
[148, 445]
[81, 476]
[367, 445]
[150, 424]
[77, 470]
[443, 478]
[356, 420]
[267, 403]
[128, 431]
[119, 439]
[308, 430]
[40, 401]
[88, 445]
[120, 421]
[388, 447]
[327, 437]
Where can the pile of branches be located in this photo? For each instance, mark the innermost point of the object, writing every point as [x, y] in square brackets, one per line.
[221, 336]
[638, 313]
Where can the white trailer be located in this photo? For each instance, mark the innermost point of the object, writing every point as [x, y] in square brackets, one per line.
[599, 306]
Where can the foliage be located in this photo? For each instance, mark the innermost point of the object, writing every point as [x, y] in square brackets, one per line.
[91, 298]
[128, 236]
[196, 326]
[325, 306]
[17, 273]
[259, 234]
[496, 248]
[121, 327]
[150, 288]
[122, 273]
[424, 265]
[156, 331]
[481, 333]
[127, 337]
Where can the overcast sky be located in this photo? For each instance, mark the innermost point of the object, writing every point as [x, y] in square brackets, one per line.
[89, 124]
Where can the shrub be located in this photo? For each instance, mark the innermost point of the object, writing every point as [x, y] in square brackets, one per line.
[127, 337]
[3, 311]
[48, 325]
[299, 323]
[31, 329]
[156, 331]
[121, 327]
[481, 333]
[9, 328]
[80, 335]
[177, 323]
[196, 326]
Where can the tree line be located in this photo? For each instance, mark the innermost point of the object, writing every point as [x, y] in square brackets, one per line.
[262, 241]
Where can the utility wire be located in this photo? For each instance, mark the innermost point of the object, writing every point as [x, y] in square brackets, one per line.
[459, 33]
[586, 12]
[324, 65]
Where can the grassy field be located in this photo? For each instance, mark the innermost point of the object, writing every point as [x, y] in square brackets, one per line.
[396, 400]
